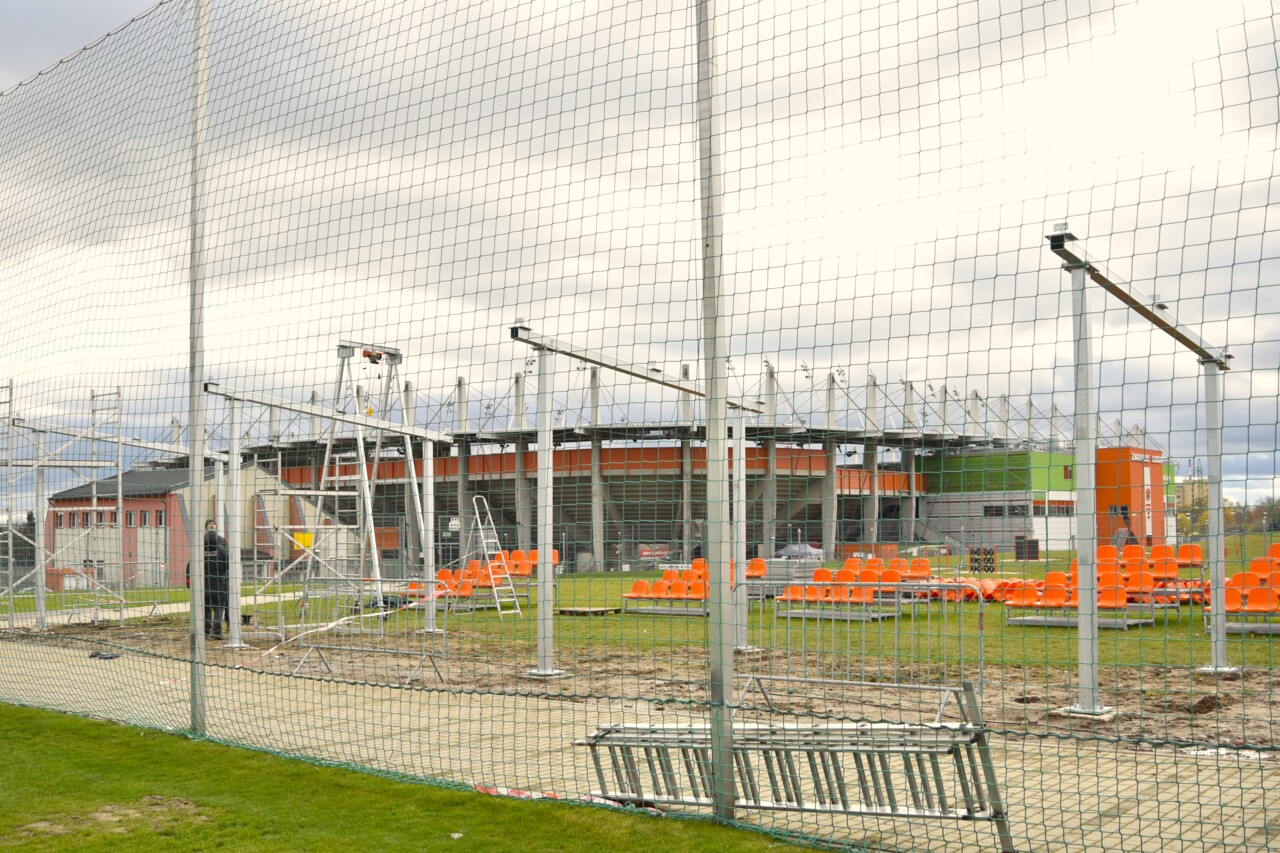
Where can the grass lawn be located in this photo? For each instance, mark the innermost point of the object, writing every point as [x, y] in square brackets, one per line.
[115, 787]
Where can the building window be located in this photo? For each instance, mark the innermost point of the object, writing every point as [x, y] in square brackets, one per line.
[159, 518]
[144, 518]
[993, 511]
[1066, 472]
[85, 519]
[57, 520]
[128, 519]
[1017, 510]
[1062, 508]
[115, 519]
[102, 516]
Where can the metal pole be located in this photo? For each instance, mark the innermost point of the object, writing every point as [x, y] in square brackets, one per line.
[741, 641]
[120, 491]
[1086, 407]
[770, 420]
[408, 416]
[830, 486]
[1214, 541]
[524, 504]
[546, 529]
[597, 479]
[429, 526]
[233, 513]
[462, 425]
[8, 496]
[366, 499]
[686, 472]
[195, 377]
[41, 553]
[720, 600]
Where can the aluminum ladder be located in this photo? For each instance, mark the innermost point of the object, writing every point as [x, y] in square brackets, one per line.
[495, 559]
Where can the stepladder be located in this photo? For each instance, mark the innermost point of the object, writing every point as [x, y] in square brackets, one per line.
[495, 563]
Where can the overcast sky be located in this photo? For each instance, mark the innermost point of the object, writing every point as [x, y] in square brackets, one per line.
[424, 173]
[39, 34]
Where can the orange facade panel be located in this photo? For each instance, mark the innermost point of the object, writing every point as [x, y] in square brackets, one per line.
[1130, 493]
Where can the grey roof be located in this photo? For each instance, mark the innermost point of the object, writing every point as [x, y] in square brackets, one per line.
[138, 483]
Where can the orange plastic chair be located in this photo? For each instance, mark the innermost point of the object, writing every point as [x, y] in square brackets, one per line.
[1055, 596]
[1107, 552]
[533, 556]
[1244, 580]
[661, 589]
[757, 568]
[1110, 579]
[1024, 595]
[688, 576]
[1162, 552]
[822, 576]
[678, 589]
[892, 577]
[555, 557]
[1133, 552]
[846, 576]
[518, 554]
[463, 589]
[853, 564]
[1274, 580]
[1113, 598]
[812, 594]
[639, 589]
[1165, 570]
[791, 593]
[1262, 567]
[444, 575]
[862, 595]
[920, 569]
[1190, 555]
[522, 569]
[840, 594]
[1141, 586]
[1055, 579]
[697, 591]
[899, 565]
[1133, 566]
[1262, 601]
[1274, 551]
[670, 575]
[874, 564]
[868, 575]
[699, 564]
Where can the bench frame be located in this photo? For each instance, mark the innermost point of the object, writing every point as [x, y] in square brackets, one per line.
[931, 770]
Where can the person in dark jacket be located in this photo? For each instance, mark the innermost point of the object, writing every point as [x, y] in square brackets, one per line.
[217, 580]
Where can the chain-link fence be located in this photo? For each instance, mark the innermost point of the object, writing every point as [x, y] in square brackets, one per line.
[857, 422]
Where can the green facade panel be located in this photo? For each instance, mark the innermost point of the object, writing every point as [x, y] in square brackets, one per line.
[998, 472]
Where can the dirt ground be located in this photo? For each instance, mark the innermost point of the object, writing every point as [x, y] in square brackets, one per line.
[1152, 705]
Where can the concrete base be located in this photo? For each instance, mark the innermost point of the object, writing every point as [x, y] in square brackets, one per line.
[842, 615]
[1101, 715]
[588, 611]
[540, 674]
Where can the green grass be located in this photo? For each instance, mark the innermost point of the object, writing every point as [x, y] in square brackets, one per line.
[115, 787]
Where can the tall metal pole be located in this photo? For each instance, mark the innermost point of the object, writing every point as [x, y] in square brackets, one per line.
[740, 602]
[12, 572]
[1086, 408]
[524, 504]
[120, 551]
[195, 373]
[770, 420]
[233, 513]
[597, 478]
[830, 483]
[686, 472]
[720, 599]
[546, 530]
[41, 553]
[1214, 543]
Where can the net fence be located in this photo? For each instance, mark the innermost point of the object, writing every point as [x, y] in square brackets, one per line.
[853, 421]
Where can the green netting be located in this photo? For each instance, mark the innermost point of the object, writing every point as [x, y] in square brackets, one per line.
[854, 422]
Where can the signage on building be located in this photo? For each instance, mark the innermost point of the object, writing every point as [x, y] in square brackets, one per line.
[653, 551]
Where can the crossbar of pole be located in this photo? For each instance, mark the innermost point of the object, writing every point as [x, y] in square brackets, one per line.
[525, 335]
[1065, 245]
[91, 435]
[319, 411]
